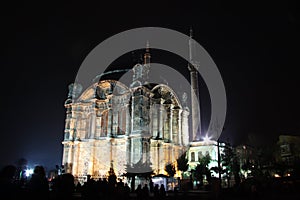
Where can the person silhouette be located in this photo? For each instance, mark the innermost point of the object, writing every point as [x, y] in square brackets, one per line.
[38, 185]
[151, 185]
[162, 191]
[66, 186]
[126, 191]
[8, 187]
[145, 191]
[139, 192]
[156, 191]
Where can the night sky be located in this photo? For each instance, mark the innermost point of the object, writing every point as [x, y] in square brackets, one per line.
[255, 46]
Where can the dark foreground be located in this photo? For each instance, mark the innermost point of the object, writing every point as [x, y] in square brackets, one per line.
[207, 195]
[224, 194]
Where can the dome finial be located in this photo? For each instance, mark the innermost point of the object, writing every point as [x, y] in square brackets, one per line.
[147, 54]
[191, 32]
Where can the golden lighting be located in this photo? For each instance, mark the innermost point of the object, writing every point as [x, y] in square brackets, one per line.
[104, 84]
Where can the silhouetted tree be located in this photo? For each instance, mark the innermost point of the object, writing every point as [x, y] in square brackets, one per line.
[202, 169]
[236, 171]
[246, 166]
[170, 169]
[199, 172]
[230, 162]
[205, 160]
[112, 178]
[182, 164]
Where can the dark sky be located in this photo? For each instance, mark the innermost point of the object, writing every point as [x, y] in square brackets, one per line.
[254, 45]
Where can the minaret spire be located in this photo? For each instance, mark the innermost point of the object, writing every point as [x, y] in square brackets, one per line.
[147, 55]
[191, 46]
[147, 46]
[195, 100]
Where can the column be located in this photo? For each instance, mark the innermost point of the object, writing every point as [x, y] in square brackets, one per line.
[185, 127]
[109, 123]
[132, 114]
[120, 121]
[160, 123]
[128, 151]
[114, 122]
[103, 126]
[154, 122]
[171, 124]
[99, 127]
[179, 127]
[93, 125]
[128, 120]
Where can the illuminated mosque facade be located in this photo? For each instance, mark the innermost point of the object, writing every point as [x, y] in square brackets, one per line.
[141, 125]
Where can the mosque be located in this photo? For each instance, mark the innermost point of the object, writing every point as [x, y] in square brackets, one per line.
[141, 126]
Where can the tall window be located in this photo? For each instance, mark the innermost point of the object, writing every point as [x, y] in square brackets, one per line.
[145, 152]
[104, 122]
[206, 153]
[193, 156]
[200, 155]
[89, 127]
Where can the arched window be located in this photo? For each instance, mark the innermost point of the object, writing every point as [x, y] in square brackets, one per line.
[200, 155]
[122, 121]
[145, 150]
[88, 127]
[193, 156]
[104, 122]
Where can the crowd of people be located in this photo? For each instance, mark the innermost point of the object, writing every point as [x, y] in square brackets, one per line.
[38, 186]
[105, 189]
[63, 187]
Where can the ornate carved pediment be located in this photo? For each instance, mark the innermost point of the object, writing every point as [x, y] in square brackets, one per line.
[103, 90]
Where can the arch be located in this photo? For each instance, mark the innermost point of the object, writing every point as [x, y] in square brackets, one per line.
[174, 95]
[104, 124]
[200, 155]
[192, 156]
[90, 92]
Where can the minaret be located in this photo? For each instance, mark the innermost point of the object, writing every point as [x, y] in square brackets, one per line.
[195, 100]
